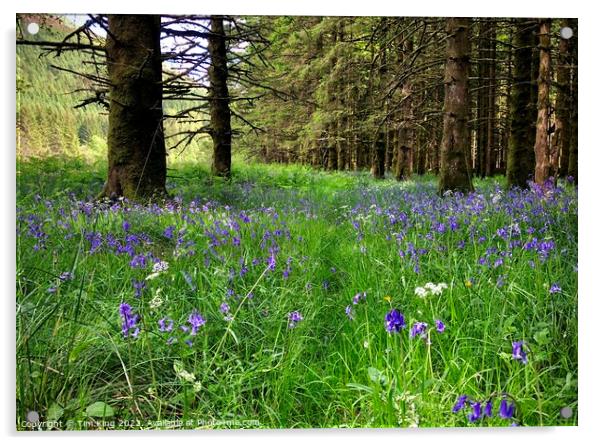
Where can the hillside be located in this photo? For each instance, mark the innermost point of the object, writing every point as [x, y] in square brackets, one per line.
[48, 124]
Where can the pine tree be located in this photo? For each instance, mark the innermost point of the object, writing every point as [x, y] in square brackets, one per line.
[136, 145]
[521, 157]
[455, 144]
[219, 99]
[542, 146]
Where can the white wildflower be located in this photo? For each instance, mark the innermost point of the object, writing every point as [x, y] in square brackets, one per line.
[178, 367]
[160, 266]
[421, 292]
[430, 289]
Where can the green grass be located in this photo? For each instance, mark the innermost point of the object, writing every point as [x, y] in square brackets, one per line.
[329, 371]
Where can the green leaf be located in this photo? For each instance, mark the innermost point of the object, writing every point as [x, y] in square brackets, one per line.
[542, 337]
[377, 376]
[100, 409]
[54, 412]
[360, 387]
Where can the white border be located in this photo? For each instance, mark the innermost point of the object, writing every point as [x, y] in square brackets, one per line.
[590, 368]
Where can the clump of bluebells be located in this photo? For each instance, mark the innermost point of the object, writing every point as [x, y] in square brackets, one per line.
[479, 410]
[196, 320]
[394, 321]
[240, 244]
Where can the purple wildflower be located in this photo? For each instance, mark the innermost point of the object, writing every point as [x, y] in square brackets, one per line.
[476, 412]
[460, 403]
[224, 308]
[138, 262]
[488, 411]
[394, 321]
[294, 318]
[440, 325]
[130, 321]
[506, 410]
[165, 325]
[419, 328]
[349, 312]
[359, 297]
[555, 288]
[169, 231]
[66, 276]
[196, 320]
[272, 262]
[126, 226]
[519, 351]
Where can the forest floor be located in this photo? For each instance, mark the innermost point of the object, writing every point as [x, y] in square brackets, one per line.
[292, 298]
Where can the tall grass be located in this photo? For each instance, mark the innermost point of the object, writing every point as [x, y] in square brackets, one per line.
[332, 236]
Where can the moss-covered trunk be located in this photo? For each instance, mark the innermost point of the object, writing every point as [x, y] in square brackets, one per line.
[455, 143]
[219, 100]
[521, 157]
[136, 144]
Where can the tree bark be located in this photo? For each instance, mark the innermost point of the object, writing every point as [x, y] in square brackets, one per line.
[455, 144]
[491, 155]
[136, 143]
[572, 163]
[378, 156]
[521, 157]
[542, 147]
[405, 144]
[562, 124]
[219, 100]
[482, 102]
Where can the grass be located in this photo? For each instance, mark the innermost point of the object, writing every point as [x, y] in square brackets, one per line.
[332, 236]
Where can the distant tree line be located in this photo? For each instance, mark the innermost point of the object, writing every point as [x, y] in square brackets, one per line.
[456, 97]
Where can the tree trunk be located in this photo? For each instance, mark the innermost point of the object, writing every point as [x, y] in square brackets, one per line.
[542, 148]
[455, 144]
[378, 156]
[572, 164]
[562, 125]
[521, 158]
[491, 102]
[219, 99]
[482, 102]
[136, 144]
[404, 147]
